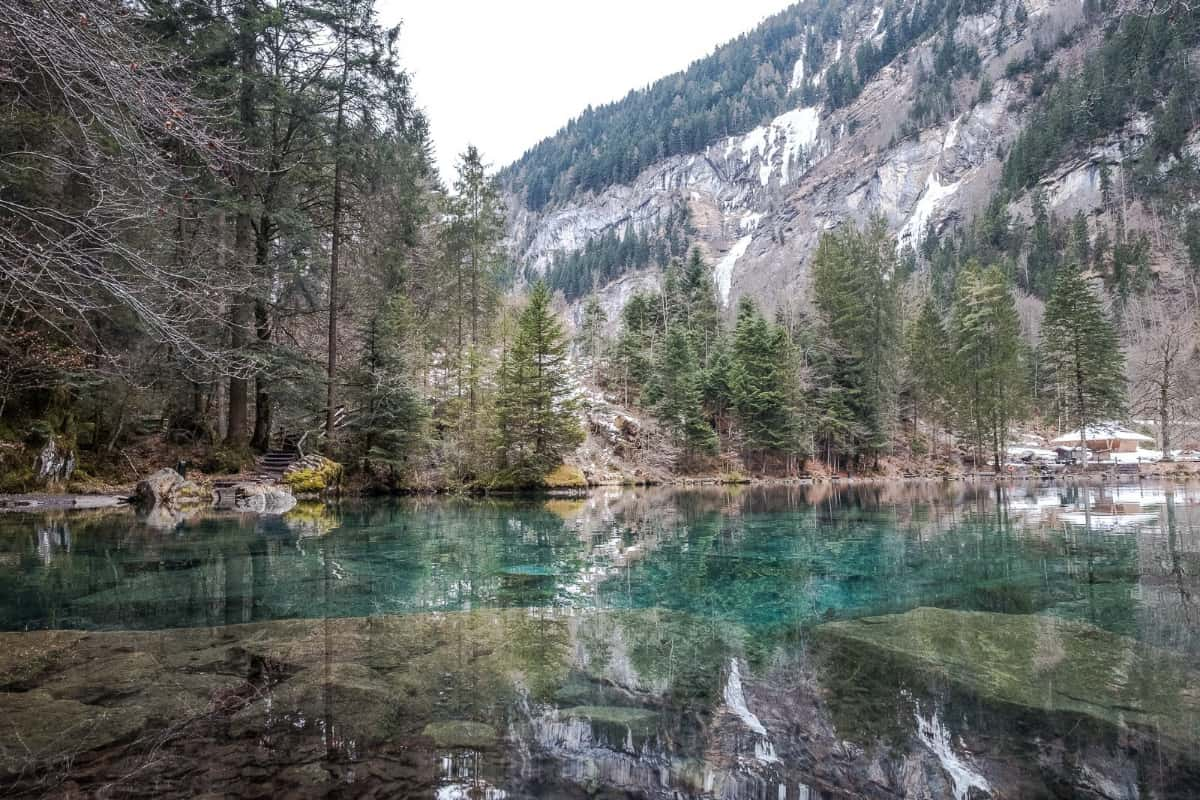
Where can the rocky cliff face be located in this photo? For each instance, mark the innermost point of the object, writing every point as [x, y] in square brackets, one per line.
[759, 202]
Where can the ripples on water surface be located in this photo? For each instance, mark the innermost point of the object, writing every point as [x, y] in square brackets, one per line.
[808, 642]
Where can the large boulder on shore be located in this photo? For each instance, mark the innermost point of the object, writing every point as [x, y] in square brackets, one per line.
[54, 464]
[167, 489]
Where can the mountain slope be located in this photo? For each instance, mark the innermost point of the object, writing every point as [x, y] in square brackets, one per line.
[907, 110]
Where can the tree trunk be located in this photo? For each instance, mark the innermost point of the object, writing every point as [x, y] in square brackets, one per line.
[262, 327]
[1164, 407]
[262, 395]
[335, 249]
[242, 309]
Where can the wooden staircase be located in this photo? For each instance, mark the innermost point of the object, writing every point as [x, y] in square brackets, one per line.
[293, 442]
[273, 463]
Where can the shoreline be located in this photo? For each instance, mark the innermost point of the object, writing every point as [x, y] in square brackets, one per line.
[43, 502]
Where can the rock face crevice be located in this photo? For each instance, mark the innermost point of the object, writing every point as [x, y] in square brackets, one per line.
[760, 201]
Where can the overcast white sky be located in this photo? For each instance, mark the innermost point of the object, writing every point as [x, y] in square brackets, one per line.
[504, 75]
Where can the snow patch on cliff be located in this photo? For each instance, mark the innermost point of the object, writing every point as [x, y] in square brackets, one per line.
[751, 221]
[790, 137]
[735, 698]
[800, 128]
[798, 70]
[723, 275]
[934, 195]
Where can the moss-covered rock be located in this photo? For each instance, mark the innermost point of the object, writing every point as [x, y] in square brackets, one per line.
[1042, 662]
[313, 475]
[566, 477]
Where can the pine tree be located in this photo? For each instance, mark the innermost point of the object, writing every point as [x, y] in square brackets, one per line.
[476, 225]
[987, 366]
[1080, 345]
[634, 350]
[679, 392]
[756, 381]
[591, 334]
[853, 288]
[535, 408]
[928, 361]
[394, 421]
[703, 314]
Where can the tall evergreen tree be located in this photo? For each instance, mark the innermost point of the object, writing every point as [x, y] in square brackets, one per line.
[853, 288]
[1080, 345]
[987, 367]
[591, 334]
[535, 407]
[757, 383]
[678, 396]
[928, 364]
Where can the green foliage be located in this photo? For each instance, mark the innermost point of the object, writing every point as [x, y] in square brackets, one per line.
[853, 288]
[591, 339]
[1080, 345]
[758, 381]
[927, 358]
[986, 369]
[678, 395]
[393, 424]
[608, 257]
[535, 407]
[632, 356]
[1191, 240]
[740, 86]
[1115, 81]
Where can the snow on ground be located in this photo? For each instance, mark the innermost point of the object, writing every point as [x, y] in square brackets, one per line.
[1140, 457]
[723, 274]
[932, 197]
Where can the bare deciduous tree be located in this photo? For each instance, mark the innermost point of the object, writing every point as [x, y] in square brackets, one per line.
[85, 209]
[1163, 337]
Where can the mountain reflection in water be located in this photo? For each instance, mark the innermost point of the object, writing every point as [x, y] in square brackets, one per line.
[905, 640]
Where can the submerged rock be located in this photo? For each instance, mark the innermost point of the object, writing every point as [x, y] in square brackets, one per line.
[614, 715]
[40, 730]
[1045, 663]
[354, 700]
[461, 733]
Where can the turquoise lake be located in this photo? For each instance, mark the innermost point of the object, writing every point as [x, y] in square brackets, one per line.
[908, 640]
